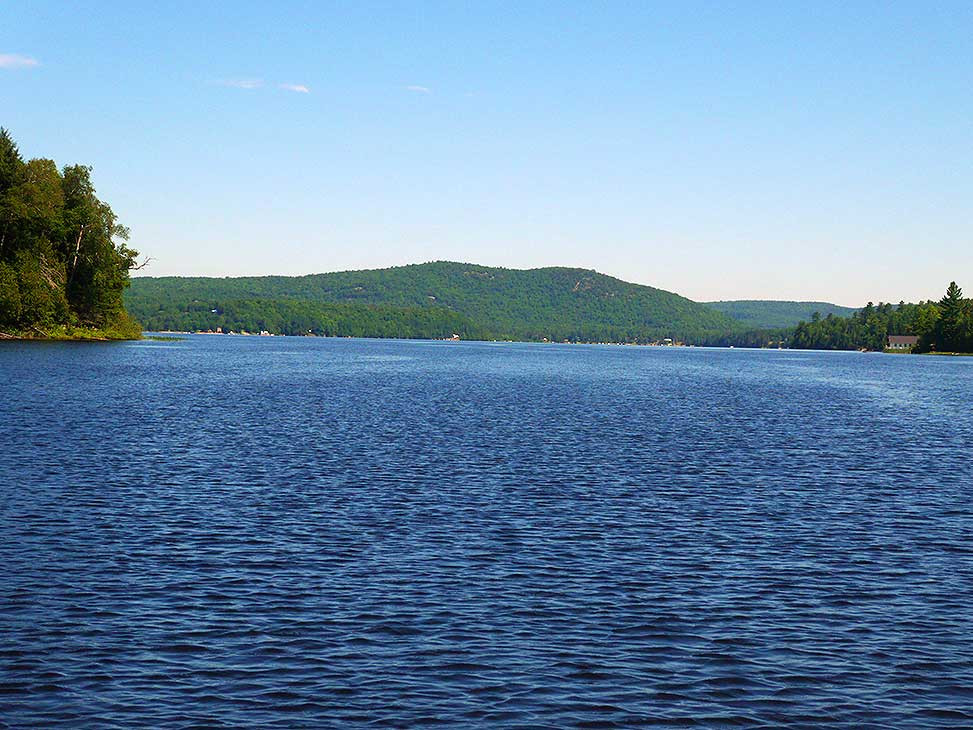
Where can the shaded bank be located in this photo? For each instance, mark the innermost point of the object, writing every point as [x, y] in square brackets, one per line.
[128, 329]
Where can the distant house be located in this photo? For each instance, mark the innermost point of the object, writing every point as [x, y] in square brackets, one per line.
[902, 342]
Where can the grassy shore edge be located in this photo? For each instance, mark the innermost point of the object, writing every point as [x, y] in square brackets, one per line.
[68, 333]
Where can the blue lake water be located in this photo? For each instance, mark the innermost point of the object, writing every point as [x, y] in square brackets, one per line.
[306, 533]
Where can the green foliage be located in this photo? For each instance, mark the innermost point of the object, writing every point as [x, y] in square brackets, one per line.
[10, 161]
[313, 318]
[757, 338]
[773, 315]
[40, 286]
[559, 304]
[952, 331]
[9, 294]
[61, 265]
[946, 326]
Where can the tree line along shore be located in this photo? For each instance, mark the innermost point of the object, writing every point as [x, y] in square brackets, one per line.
[65, 274]
[945, 326]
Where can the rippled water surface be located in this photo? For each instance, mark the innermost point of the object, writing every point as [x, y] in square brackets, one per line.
[305, 533]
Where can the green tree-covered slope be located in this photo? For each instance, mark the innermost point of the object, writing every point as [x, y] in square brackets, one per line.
[554, 303]
[62, 273]
[776, 314]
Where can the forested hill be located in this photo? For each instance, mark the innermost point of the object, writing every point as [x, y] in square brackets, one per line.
[485, 302]
[758, 313]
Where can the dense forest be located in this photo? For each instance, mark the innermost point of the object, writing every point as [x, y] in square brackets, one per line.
[943, 326]
[295, 317]
[576, 305]
[64, 264]
[776, 315]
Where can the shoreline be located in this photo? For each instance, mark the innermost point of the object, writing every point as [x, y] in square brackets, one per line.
[72, 334]
[680, 346]
[66, 335]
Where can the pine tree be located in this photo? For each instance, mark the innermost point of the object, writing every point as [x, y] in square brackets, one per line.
[952, 320]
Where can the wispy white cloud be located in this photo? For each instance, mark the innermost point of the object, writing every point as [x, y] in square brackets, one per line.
[299, 88]
[241, 83]
[15, 60]
[419, 89]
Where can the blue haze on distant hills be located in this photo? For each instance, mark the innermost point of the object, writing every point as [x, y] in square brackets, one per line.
[760, 313]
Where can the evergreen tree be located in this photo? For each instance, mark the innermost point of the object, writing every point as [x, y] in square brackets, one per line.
[952, 320]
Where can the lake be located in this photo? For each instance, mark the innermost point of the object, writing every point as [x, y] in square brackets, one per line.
[315, 533]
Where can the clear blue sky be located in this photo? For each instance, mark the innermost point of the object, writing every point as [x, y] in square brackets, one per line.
[721, 150]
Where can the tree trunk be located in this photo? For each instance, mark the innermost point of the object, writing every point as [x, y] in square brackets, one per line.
[77, 250]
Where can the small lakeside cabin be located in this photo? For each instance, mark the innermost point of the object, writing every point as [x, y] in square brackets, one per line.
[900, 343]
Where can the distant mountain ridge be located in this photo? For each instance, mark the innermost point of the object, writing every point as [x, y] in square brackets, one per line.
[558, 303]
[442, 298]
[772, 314]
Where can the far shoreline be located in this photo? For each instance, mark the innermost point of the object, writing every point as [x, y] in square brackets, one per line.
[148, 334]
